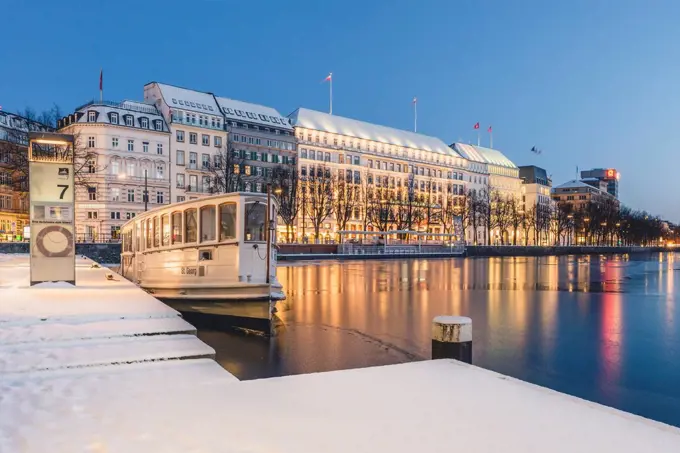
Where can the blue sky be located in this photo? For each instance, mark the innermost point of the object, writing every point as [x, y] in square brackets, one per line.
[591, 83]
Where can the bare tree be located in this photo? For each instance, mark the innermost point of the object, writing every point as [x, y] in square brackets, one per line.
[345, 199]
[500, 214]
[286, 178]
[529, 223]
[484, 211]
[319, 203]
[516, 216]
[227, 171]
[381, 210]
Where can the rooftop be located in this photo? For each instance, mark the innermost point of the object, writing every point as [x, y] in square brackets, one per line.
[483, 155]
[312, 119]
[187, 99]
[265, 116]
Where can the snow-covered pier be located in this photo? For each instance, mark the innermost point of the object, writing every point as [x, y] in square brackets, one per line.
[91, 369]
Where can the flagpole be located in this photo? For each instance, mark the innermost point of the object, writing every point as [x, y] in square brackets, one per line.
[331, 92]
[415, 115]
[101, 85]
[491, 140]
[479, 138]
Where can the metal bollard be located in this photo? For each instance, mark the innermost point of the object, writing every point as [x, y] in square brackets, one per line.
[452, 338]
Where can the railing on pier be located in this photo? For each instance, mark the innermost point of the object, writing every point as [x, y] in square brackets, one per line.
[400, 243]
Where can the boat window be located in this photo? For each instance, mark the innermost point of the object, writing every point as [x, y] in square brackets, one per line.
[208, 223]
[138, 236]
[190, 225]
[156, 233]
[148, 234]
[165, 227]
[254, 227]
[176, 227]
[227, 221]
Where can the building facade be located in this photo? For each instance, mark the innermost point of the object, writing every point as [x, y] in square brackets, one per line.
[14, 215]
[382, 162]
[120, 149]
[220, 144]
[607, 177]
[537, 205]
[577, 195]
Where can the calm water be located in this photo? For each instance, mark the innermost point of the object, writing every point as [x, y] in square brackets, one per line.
[604, 329]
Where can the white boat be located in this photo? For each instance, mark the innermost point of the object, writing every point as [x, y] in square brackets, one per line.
[213, 249]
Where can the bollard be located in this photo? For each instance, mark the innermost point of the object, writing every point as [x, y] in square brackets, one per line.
[452, 338]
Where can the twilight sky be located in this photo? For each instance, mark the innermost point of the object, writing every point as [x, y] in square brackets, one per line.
[592, 83]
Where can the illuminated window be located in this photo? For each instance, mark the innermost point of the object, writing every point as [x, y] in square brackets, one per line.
[190, 225]
[177, 226]
[208, 223]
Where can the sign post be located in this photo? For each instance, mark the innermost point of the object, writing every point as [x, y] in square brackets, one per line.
[52, 196]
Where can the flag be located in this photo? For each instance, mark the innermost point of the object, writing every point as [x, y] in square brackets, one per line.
[101, 79]
[489, 130]
[476, 125]
[415, 100]
[328, 77]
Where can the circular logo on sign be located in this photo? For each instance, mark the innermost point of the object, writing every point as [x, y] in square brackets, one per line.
[54, 241]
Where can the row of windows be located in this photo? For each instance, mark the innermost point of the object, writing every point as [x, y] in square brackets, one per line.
[348, 142]
[207, 224]
[193, 139]
[258, 128]
[179, 116]
[128, 120]
[116, 195]
[217, 159]
[6, 202]
[280, 144]
[92, 143]
[115, 215]
[129, 169]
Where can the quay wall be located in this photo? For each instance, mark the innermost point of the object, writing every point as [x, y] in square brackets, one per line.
[108, 253]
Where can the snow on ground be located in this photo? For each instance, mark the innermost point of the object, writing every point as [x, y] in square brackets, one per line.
[428, 406]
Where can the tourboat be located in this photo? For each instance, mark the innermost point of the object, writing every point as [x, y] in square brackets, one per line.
[204, 252]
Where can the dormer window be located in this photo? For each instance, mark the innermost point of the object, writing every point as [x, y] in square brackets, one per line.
[158, 125]
[91, 117]
[129, 120]
[114, 118]
[144, 123]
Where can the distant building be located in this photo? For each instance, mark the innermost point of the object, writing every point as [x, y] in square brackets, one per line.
[599, 176]
[536, 186]
[14, 131]
[123, 144]
[578, 194]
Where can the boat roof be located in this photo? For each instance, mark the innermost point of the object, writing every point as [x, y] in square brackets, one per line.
[203, 200]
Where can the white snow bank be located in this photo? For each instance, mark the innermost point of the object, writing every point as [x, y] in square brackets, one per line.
[433, 406]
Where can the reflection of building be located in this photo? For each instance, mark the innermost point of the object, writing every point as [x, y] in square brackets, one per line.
[389, 161]
[603, 177]
[121, 143]
[219, 142]
[14, 131]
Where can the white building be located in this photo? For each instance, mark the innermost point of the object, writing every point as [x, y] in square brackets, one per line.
[126, 144]
[209, 132]
[382, 157]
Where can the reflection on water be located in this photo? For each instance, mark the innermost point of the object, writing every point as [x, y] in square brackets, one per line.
[599, 328]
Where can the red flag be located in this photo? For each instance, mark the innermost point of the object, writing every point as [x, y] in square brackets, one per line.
[489, 130]
[476, 125]
[328, 77]
[101, 79]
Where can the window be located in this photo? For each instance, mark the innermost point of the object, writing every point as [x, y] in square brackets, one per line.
[254, 225]
[180, 136]
[208, 223]
[190, 225]
[159, 197]
[341, 158]
[131, 195]
[303, 153]
[357, 161]
[192, 160]
[129, 215]
[193, 183]
[114, 142]
[114, 118]
[180, 180]
[115, 215]
[312, 154]
[92, 214]
[115, 164]
[131, 145]
[180, 157]
[370, 163]
[91, 117]
[205, 161]
[115, 194]
[159, 171]
[165, 230]
[205, 139]
[144, 122]
[180, 198]
[145, 147]
[159, 148]
[159, 125]
[156, 232]
[92, 193]
[128, 121]
[177, 226]
[234, 137]
[90, 142]
[218, 141]
[115, 231]
[193, 138]
[131, 169]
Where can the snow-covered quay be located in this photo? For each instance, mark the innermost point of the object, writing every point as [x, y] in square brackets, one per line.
[94, 369]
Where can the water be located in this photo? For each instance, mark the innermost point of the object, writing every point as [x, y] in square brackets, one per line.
[603, 329]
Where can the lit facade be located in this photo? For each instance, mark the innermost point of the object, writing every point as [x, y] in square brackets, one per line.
[14, 214]
[220, 144]
[606, 177]
[124, 145]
